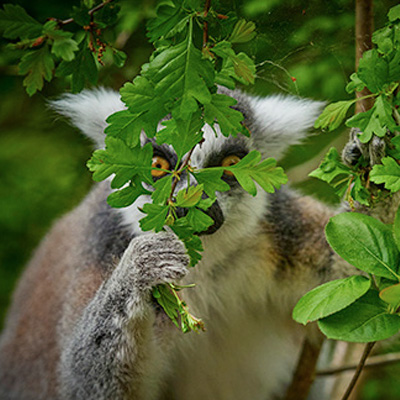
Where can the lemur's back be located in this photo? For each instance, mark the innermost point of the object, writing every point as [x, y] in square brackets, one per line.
[83, 324]
[244, 340]
[60, 280]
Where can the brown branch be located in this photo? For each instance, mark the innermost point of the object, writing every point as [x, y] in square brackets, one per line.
[179, 172]
[372, 362]
[360, 366]
[205, 26]
[364, 29]
[90, 12]
[305, 371]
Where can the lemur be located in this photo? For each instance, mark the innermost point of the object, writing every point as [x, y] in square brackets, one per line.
[83, 324]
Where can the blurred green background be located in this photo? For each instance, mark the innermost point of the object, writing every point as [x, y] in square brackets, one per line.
[304, 48]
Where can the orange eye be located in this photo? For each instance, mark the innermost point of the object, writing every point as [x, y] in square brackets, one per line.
[228, 162]
[159, 162]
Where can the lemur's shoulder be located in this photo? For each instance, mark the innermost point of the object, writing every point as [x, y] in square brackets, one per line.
[295, 224]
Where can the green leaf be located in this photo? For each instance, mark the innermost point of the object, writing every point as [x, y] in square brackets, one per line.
[189, 197]
[395, 151]
[330, 298]
[355, 84]
[396, 228]
[243, 32]
[126, 196]
[121, 160]
[38, 65]
[373, 70]
[359, 193]
[364, 242]
[333, 172]
[265, 173]
[16, 23]
[182, 135]
[82, 68]
[185, 232]
[199, 220]
[391, 295]
[394, 13]
[124, 125]
[211, 181]
[141, 98]
[383, 39]
[366, 320]
[162, 189]
[238, 66]
[171, 19]
[333, 115]
[180, 72]
[63, 45]
[220, 110]
[155, 219]
[167, 301]
[375, 121]
[119, 58]
[388, 173]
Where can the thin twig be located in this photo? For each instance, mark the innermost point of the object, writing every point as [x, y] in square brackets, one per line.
[360, 366]
[179, 172]
[90, 12]
[372, 362]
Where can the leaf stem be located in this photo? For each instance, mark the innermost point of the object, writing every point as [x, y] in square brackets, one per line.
[360, 366]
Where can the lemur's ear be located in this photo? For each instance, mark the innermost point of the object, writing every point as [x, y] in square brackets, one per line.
[89, 110]
[277, 122]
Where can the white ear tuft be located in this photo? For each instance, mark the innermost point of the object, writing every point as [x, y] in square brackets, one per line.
[281, 121]
[89, 110]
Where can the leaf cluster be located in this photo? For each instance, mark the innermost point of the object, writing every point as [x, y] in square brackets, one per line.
[50, 50]
[178, 86]
[379, 72]
[358, 308]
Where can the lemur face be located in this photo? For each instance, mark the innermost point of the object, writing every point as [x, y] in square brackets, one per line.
[275, 123]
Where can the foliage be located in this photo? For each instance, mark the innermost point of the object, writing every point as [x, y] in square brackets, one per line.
[49, 50]
[358, 309]
[180, 79]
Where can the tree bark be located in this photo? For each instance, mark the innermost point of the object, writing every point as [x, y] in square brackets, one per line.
[364, 29]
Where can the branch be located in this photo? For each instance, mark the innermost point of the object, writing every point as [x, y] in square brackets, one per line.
[205, 26]
[372, 362]
[364, 29]
[90, 12]
[360, 366]
[305, 371]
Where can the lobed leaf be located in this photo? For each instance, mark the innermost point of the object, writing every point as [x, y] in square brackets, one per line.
[220, 110]
[155, 219]
[16, 23]
[128, 195]
[243, 31]
[38, 66]
[333, 115]
[387, 173]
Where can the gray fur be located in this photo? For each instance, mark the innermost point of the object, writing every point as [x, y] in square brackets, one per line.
[83, 324]
[108, 351]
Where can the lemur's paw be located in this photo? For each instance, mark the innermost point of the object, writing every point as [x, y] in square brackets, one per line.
[373, 151]
[159, 258]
